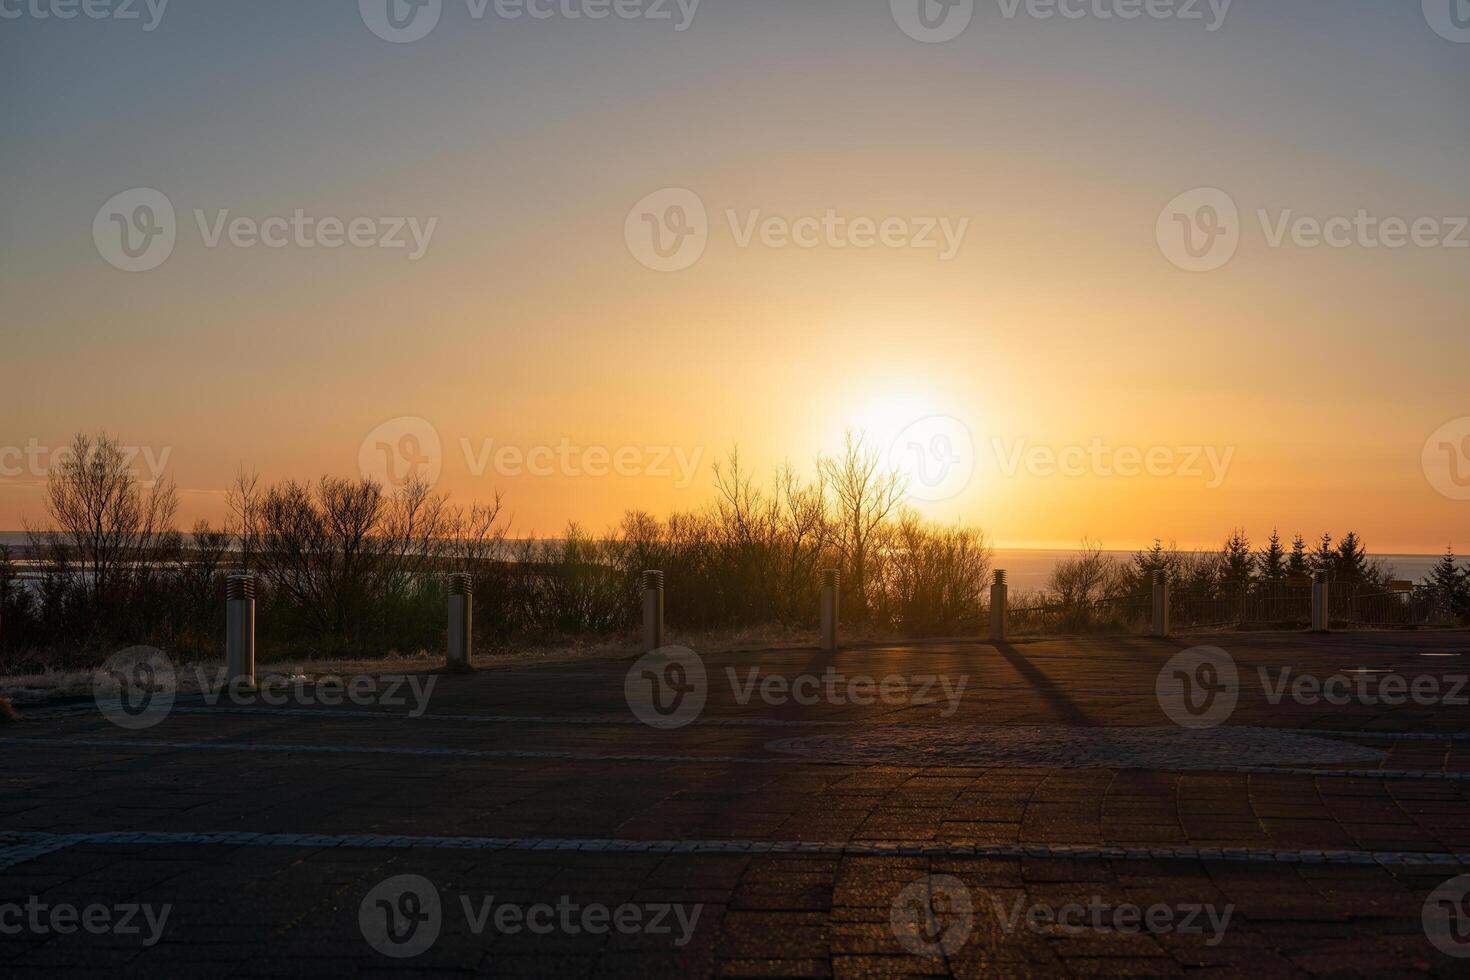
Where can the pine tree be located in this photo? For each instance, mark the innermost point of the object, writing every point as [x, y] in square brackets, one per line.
[1324, 559]
[1351, 565]
[1272, 561]
[1239, 564]
[1156, 559]
[1449, 585]
[1298, 565]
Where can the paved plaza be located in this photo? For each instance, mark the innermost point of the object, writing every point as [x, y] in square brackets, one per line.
[1268, 804]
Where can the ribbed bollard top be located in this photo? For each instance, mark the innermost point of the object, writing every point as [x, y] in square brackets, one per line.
[240, 587]
[460, 583]
[1000, 576]
[1159, 576]
[653, 580]
[829, 578]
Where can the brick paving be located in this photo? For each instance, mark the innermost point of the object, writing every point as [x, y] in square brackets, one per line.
[1055, 781]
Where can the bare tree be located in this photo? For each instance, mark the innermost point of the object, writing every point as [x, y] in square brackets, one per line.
[102, 524]
[866, 495]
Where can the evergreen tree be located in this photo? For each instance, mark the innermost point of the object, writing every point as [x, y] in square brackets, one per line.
[1351, 565]
[1272, 561]
[1239, 565]
[1155, 559]
[1449, 585]
[1298, 565]
[1324, 559]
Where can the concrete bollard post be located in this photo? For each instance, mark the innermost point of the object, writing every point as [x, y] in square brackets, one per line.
[240, 630]
[1161, 604]
[1320, 620]
[653, 610]
[460, 655]
[998, 597]
[829, 609]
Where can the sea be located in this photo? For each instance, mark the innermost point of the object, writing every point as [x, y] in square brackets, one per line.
[1028, 570]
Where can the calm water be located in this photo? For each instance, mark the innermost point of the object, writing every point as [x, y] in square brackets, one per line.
[1028, 570]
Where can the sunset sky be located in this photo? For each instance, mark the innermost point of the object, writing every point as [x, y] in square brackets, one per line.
[1061, 321]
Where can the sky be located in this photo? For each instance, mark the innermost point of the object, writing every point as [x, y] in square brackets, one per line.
[1076, 273]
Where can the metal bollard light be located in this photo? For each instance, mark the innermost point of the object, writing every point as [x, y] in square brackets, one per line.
[1320, 621]
[829, 609]
[653, 610]
[240, 630]
[1161, 604]
[999, 593]
[460, 655]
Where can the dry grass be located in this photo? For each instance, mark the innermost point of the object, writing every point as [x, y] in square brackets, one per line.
[61, 684]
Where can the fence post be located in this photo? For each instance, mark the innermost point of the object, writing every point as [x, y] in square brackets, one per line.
[240, 630]
[998, 597]
[461, 622]
[829, 609]
[1161, 603]
[653, 610]
[1320, 621]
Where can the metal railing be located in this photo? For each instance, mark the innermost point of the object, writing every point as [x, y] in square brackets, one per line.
[1121, 614]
